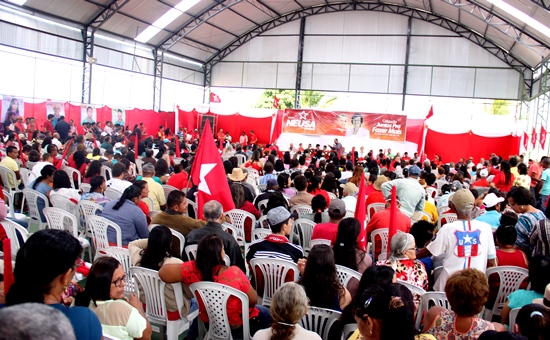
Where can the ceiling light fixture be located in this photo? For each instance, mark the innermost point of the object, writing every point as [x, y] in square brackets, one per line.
[165, 20]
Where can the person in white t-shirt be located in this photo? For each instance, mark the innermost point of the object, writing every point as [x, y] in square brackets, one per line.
[117, 181]
[465, 243]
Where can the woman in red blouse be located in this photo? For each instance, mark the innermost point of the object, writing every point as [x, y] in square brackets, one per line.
[504, 180]
[237, 193]
[144, 186]
[209, 266]
[254, 162]
[314, 188]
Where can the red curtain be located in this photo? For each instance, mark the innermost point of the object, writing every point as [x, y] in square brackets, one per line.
[451, 147]
[188, 119]
[278, 128]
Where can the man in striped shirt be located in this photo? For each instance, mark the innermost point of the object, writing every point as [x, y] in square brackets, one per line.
[277, 244]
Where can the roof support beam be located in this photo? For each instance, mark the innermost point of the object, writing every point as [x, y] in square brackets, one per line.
[498, 51]
[299, 65]
[542, 3]
[105, 13]
[407, 55]
[157, 79]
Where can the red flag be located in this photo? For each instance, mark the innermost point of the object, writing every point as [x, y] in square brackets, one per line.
[393, 217]
[67, 147]
[178, 152]
[525, 140]
[431, 113]
[95, 142]
[209, 174]
[361, 214]
[275, 102]
[136, 143]
[353, 155]
[214, 98]
[534, 137]
[8, 271]
[542, 137]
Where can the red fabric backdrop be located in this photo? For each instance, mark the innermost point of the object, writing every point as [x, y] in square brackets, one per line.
[150, 118]
[452, 147]
[234, 123]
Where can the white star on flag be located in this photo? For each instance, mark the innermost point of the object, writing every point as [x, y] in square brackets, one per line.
[303, 115]
[205, 170]
[467, 239]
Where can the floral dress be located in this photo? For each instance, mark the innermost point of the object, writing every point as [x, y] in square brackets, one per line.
[410, 271]
[443, 327]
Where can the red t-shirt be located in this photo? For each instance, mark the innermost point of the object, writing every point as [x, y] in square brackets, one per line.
[481, 183]
[48, 126]
[325, 231]
[375, 197]
[233, 277]
[323, 193]
[500, 182]
[179, 180]
[381, 220]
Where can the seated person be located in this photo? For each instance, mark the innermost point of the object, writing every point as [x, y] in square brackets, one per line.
[328, 231]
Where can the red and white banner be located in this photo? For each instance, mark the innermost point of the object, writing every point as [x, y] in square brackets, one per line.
[346, 124]
[542, 137]
[534, 137]
[525, 140]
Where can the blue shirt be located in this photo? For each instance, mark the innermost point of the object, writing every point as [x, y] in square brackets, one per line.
[546, 186]
[522, 297]
[525, 224]
[42, 188]
[85, 323]
[267, 177]
[491, 217]
[131, 220]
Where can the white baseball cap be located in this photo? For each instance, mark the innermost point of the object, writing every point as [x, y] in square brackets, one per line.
[491, 200]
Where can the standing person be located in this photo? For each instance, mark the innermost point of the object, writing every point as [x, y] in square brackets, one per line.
[465, 243]
[243, 139]
[48, 124]
[63, 128]
[545, 183]
[410, 192]
[253, 138]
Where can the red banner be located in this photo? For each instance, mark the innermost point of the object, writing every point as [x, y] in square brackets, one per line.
[525, 140]
[534, 137]
[542, 137]
[346, 124]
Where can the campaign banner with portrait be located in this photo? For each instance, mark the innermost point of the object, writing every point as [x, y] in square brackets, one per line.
[12, 105]
[384, 126]
[88, 114]
[55, 108]
[118, 116]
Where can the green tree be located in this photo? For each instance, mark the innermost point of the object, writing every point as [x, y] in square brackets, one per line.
[287, 97]
[499, 107]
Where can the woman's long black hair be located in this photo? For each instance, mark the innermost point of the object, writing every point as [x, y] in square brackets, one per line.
[46, 171]
[130, 193]
[98, 283]
[158, 248]
[209, 255]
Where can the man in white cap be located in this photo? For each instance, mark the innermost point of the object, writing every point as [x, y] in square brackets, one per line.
[348, 195]
[482, 182]
[491, 202]
[465, 243]
[276, 245]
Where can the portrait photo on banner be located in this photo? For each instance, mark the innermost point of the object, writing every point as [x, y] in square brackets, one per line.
[12, 106]
[88, 114]
[118, 116]
[57, 109]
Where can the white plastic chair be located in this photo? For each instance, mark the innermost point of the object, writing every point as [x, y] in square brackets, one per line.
[428, 300]
[152, 213]
[153, 288]
[85, 187]
[62, 202]
[8, 177]
[259, 234]
[98, 226]
[274, 273]
[168, 189]
[113, 193]
[106, 172]
[332, 196]
[149, 202]
[72, 172]
[512, 318]
[175, 234]
[27, 176]
[262, 204]
[439, 183]
[383, 235]
[444, 219]
[320, 320]
[510, 278]
[240, 159]
[63, 220]
[304, 229]
[345, 275]
[373, 208]
[32, 197]
[191, 252]
[214, 297]
[11, 229]
[254, 174]
[262, 187]
[139, 164]
[237, 218]
[123, 256]
[432, 192]
[88, 208]
[418, 215]
[301, 209]
[262, 222]
[313, 243]
[442, 209]
[193, 206]
[414, 289]
[350, 213]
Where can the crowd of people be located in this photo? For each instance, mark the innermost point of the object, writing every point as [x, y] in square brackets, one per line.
[455, 220]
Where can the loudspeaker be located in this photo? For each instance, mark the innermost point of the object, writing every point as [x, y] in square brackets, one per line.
[211, 119]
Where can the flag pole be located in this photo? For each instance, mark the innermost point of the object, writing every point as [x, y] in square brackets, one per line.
[393, 218]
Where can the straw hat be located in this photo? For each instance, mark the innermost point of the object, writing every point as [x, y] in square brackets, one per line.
[237, 175]
[379, 181]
